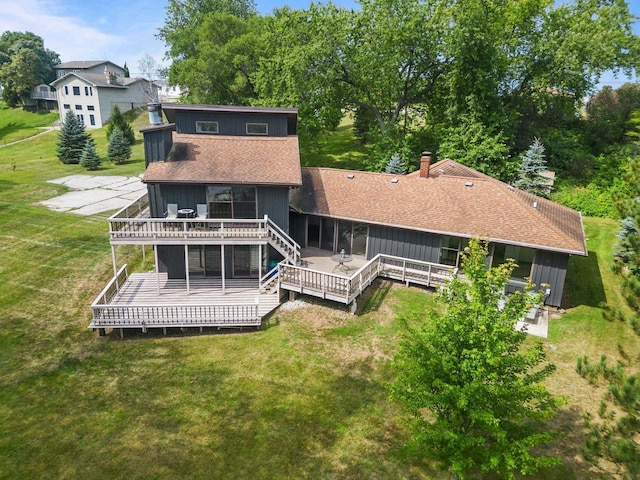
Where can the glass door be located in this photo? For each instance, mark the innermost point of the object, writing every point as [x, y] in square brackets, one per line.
[246, 261]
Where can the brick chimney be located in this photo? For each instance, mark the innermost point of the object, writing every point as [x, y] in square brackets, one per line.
[425, 164]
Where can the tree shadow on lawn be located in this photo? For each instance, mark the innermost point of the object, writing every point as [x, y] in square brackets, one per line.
[10, 128]
[584, 283]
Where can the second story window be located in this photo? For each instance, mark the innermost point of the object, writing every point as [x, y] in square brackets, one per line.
[76, 90]
[90, 107]
[206, 127]
[257, 129]
[66, 90]
[78, 107]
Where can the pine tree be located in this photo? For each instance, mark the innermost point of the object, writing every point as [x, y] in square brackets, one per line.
[119, 150]
[471, 384]
[117, 120]
[395, 165]
[532, 164]
[71, 139]
[126, 70]
[90, 159]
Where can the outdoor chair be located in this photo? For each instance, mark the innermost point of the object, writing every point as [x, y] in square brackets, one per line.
[203, 211]
[172, 210]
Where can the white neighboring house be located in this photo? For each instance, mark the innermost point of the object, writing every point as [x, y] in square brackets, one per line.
[168, 93]
[91, 89]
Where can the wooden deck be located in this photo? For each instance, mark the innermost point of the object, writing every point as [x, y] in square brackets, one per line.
[137, 302]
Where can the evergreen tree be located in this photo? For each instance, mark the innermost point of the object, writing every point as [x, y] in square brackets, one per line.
[90, 159]
[471, 384]
[118, 120]
[71, 139]
[395, 165]
[532, 164]
[126, 71]
[119, 149]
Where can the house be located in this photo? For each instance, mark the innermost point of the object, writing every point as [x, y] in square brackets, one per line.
[42, 96]
[235, 222]
[91, 89]
[168, 93]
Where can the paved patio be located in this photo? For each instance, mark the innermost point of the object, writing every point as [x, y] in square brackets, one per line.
[95, 193]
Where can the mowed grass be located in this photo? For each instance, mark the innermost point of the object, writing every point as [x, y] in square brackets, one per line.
[304, 397]
[18, 124]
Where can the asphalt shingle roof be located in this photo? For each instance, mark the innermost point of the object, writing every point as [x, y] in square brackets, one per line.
[197, 158]
[454, 200]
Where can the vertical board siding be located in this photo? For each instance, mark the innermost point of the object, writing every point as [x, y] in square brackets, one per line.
[171, 260]
[156, 206]
[274, 201]
[551, 268]
[186, 196]
[230, 123]
[297, 227]
[403, 243]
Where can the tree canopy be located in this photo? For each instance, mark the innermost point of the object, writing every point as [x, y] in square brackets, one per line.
[471, 385]
[24, 63]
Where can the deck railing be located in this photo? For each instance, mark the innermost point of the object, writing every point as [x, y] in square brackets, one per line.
[154, 316]
[346, 289]
[112, 288]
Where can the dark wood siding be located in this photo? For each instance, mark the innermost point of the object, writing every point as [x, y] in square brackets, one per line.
[186, 196]
[551, 268]
[232, 124]
[156, 205]
[171, 260]
[403, 243]
[297, 228]
[157, 145]
[274, 201]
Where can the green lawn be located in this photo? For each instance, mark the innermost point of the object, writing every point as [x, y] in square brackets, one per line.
[17, 124]
[304, 397]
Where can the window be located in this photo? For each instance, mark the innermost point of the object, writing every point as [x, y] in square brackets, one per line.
[352, 237]
[257, 129]
[88, 91]
[206, 127]
[67, 106]
[92, 120]
[80, 117]
[76, 90]
[523, 257]
[90, 108]
[451, 249]
[66, 90]
[78, 107]
[232, 202]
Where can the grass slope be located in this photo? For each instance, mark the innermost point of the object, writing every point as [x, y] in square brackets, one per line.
[305, 397]
[17, 124]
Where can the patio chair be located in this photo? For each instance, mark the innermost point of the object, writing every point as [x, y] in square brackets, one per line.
[172, 210]
[203, 211]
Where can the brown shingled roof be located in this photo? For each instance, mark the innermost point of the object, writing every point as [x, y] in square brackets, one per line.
[229, 159]
[454, 200]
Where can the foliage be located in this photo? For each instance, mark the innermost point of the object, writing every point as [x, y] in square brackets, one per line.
[395, 165]
[119, 149]
[611, 438]
[24, 63]
[72, 139]
[592, 201]
[472, 387]
[148, 67]
[532, 164]
[610, 112]
[126, 71]
[117, 120]
[90, 159]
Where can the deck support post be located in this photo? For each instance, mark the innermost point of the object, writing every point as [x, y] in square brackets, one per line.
[222, 265]
[164, 330]
[260, 260]
[121, 333]
[115, 265]
[144, 253]
[186, 267]
[155, 255]
[354, 306]
[102, 332]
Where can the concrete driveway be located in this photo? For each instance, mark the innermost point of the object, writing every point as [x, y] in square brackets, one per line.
[95, 193]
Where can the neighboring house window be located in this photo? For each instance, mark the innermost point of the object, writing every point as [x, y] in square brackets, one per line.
[90, 107]
[92, 120]
[523, 257]
[78, 107]
[66, 90]
[80, 117]
[76, 90]
[67, 106]
[91, 91]
[86, 91]
[206, 127]
[451, 249]
[257, 129]
[231, 202]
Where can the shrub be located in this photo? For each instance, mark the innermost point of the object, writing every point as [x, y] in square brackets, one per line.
[591, 200]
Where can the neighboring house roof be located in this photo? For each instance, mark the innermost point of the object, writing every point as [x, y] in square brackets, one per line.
[98, 80]
[454, 200]
[205, 159]
[83, 64]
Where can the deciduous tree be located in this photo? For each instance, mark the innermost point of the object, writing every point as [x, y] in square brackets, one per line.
[471, 385]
